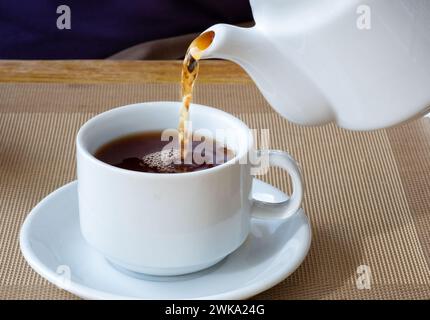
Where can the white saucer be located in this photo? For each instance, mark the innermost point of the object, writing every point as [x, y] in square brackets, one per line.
[52, 244]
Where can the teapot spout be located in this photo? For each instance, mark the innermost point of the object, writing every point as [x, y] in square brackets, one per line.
[286, 86]
[226, 42]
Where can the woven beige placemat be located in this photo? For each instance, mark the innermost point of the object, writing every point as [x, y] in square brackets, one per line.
[367, 194]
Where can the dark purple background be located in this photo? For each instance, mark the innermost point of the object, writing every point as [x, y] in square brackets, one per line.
[28, 28]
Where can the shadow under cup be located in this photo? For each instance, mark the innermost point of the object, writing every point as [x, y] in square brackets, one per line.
[164, 224]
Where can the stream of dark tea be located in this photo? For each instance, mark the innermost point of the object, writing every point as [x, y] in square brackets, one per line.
[190, 71]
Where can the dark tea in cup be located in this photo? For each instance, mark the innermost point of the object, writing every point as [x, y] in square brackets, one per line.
[149, 152]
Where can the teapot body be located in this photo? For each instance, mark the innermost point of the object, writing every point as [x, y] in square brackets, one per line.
[362, 66]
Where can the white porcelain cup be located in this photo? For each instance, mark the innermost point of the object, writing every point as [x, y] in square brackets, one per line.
[171, 224]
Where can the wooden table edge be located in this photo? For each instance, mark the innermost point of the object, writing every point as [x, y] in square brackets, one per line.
[115, 71]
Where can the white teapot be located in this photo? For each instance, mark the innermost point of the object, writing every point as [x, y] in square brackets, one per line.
[318, 61]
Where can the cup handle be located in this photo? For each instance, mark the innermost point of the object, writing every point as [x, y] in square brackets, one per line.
[285, 209]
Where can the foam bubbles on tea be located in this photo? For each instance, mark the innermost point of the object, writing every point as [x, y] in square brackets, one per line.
[162, 161]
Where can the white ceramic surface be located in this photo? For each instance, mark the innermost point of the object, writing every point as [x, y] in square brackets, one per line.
[52, 244]
[362, 64]
[171, 224]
